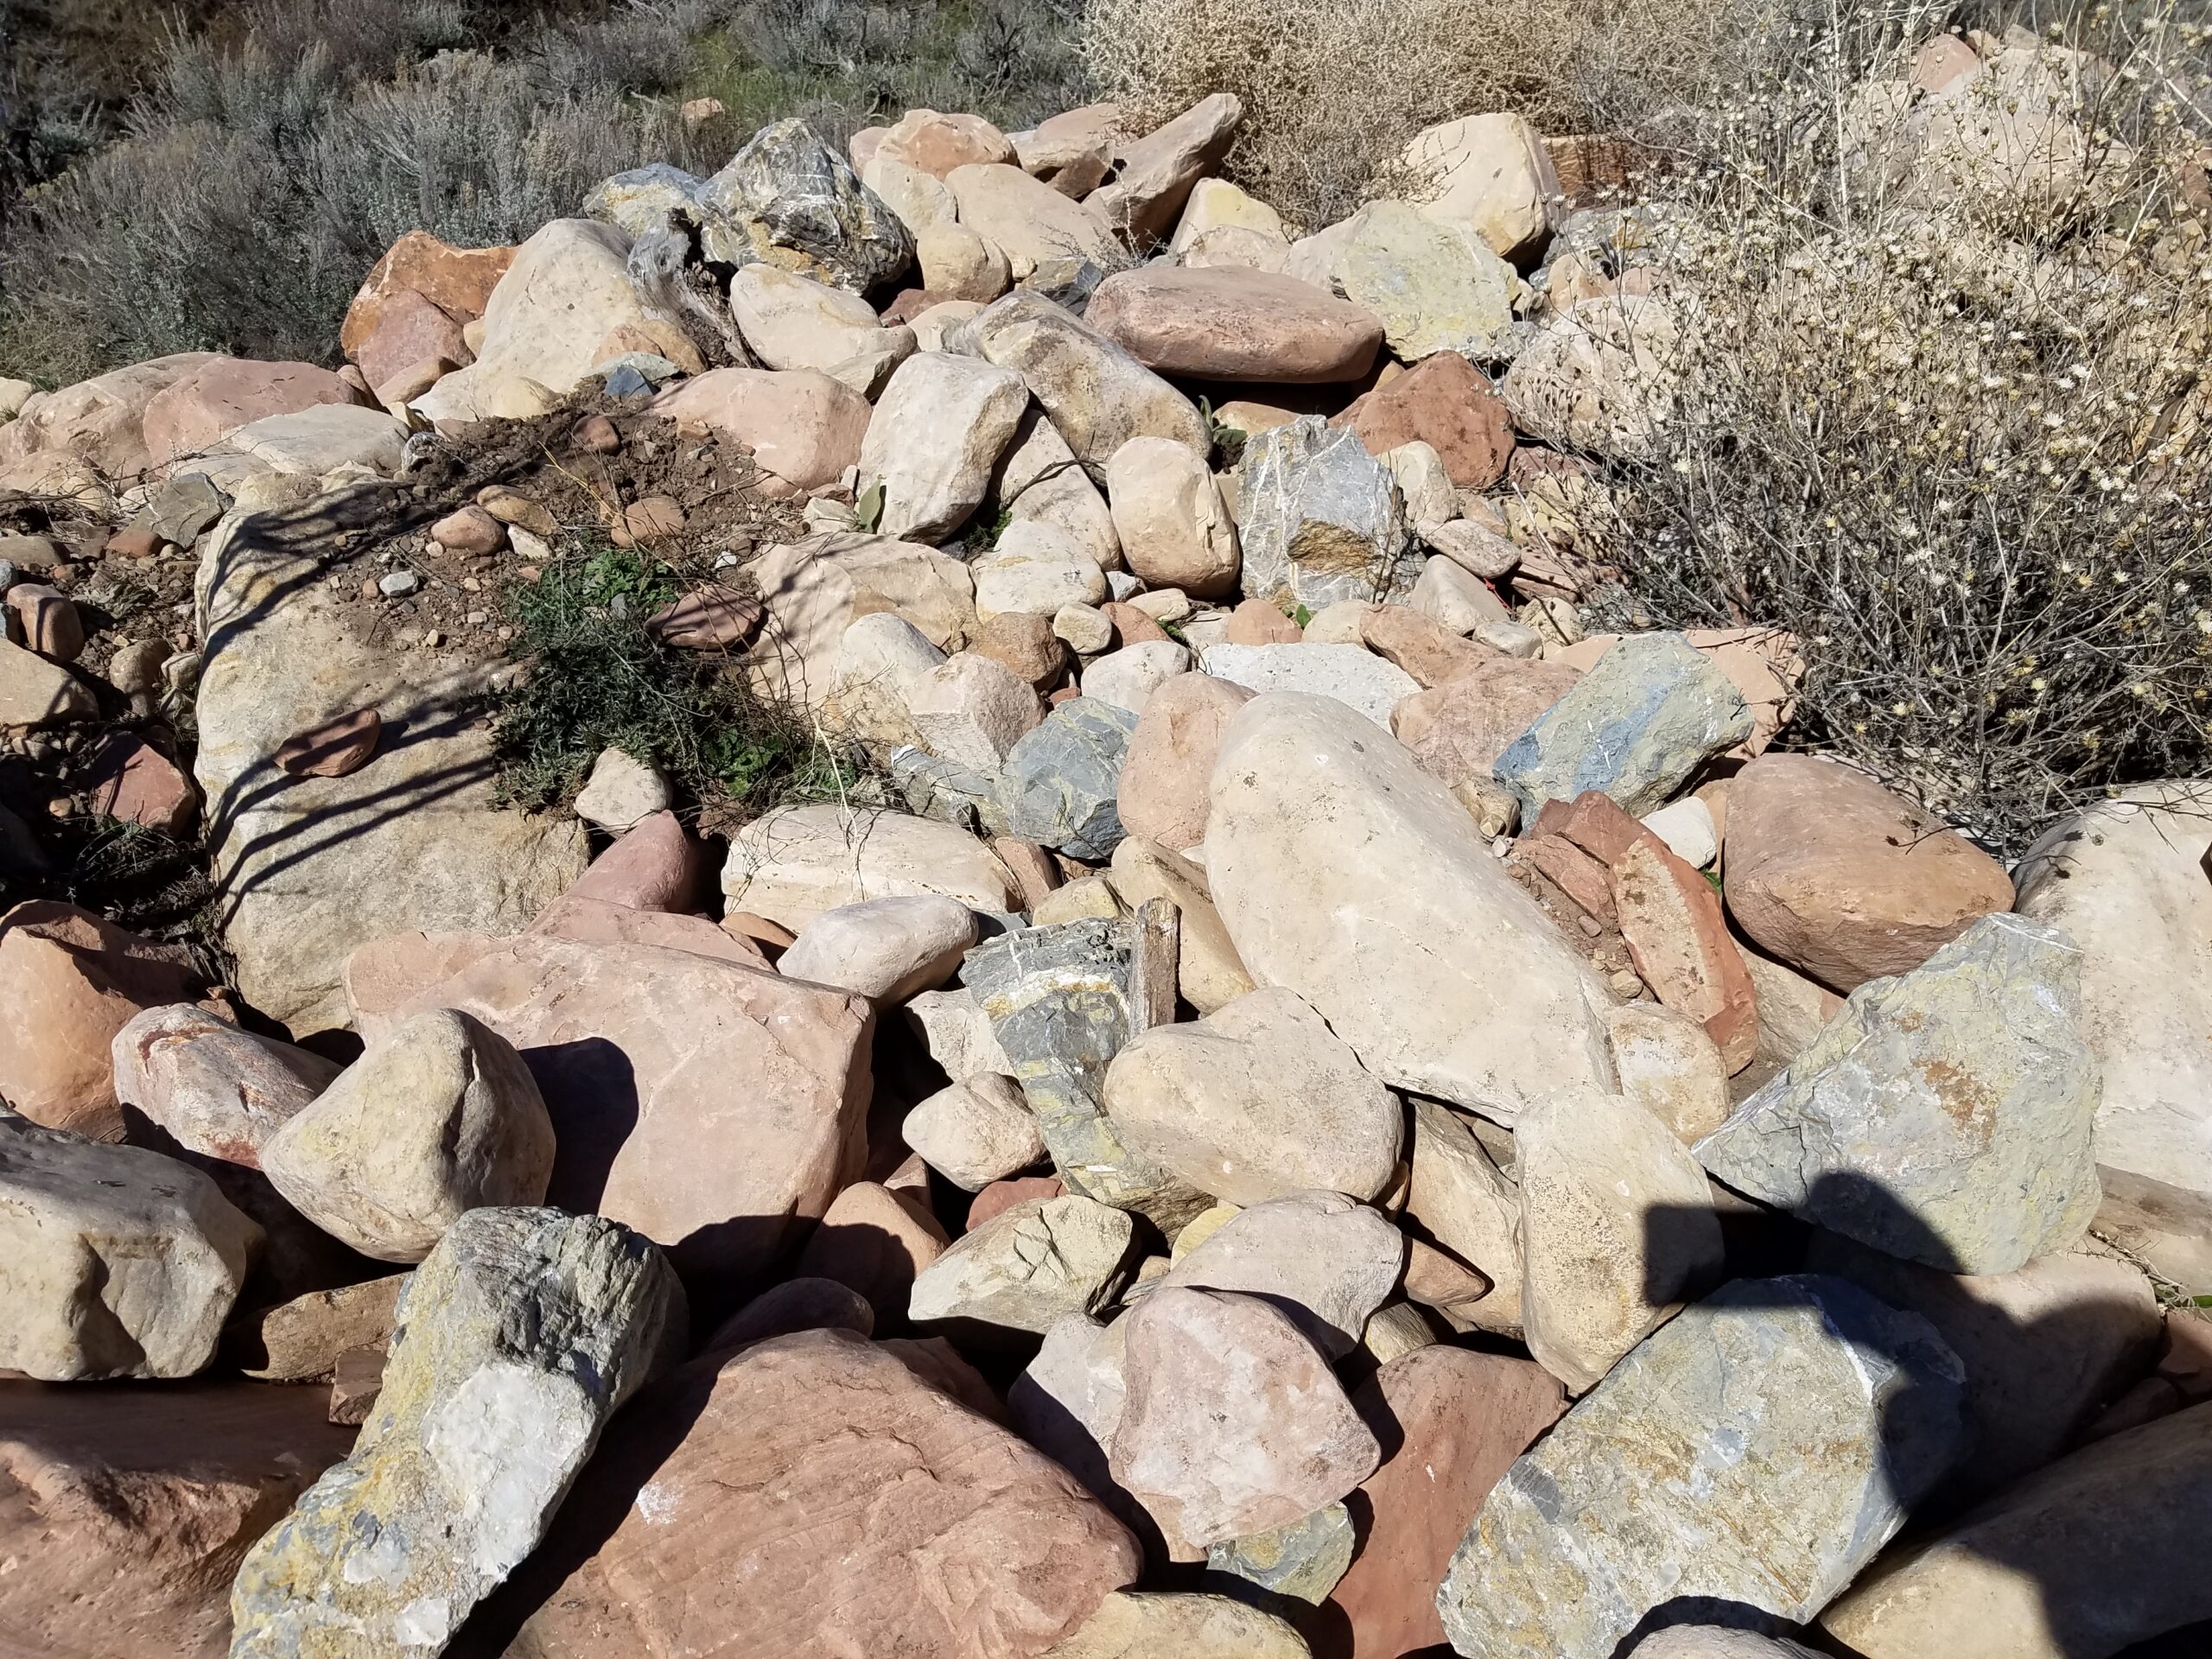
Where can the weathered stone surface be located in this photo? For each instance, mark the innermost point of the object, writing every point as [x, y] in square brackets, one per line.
[133, 782]
[1636, 727]
[887, 950]
[1671, 921]
[1328, 848]
[2125, 880]
[1427, 651]
[1154, 175]
[1096, 395]
[1232, 1421]
[1319, 1258]
[938, 430]
[126, 1510]
[302, 1340]
[1169, 517]
[791, 864]
[313, 868]
[1140, 1624]
[1764, 664]
[1457, 1199]
[1226, 323]
[1452, 1422]
[874, 1239]
[1031, 223]
[1061, 783]
[1838, 877]
[215, 1089]
[787, 199]
[1434, 288]
[1349, 675]
[633, 1047]
[69, 982]
[1162, 795]
[36, 692]
[957, 1031]
[458, 281]
[100, 421]
[1668, 1066]
[1027, 1267]
[2088, 1557]
[1208, 973]
[622, 792]
[1716, 1642]
[937, 143]
[1616, 1225]
[1040, 481]
[820, 1497]
[1460, 600]
[1442, 401]
[1073, 150]
[971, 710]
[1037, 570]
[1491, 173]
[519, 1336]
[1303, 1558]
[975, 1131]
[792, 321]
[1944, 1116]
[816, 590]
[801, 426]
[1600, 377]
[437, 1117]
[1128, 678]
[1318, 517]
[1458, 730]
[121, 1262]
[1062, 1001]
[211, 401]
[1758, 1450]
[1258, 1100]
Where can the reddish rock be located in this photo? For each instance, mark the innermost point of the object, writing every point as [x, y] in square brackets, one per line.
[333, 749]
[1423, 646]
[1001, 1196]
[386, 975]
[1941, 60]
[813, 1496]
[911, 303]
[706, 619]
[1260, 622]
[935, 143]
[597, 434]
[594, 921]
[759, 928]
[651, 517]
[1446, 402]
[458, 281]
[126, 1509]
[136, 542]
[136, 783]
[409, 329]
[1031, 866]
[1844, 881]
[1131, 626]
[355, 1382]
[1451, 1422]
[1457, 730]
[656, 866]
[804, 1303]
[1595, 822]
[1671, 921]
[1230, 323]
[218, 398]
[875, 1241]
[635, 1048]
[1163, 793]
[1025, 643]
[802, 427]
[1573, 871]
[470, 531]
[100, 421]
[653, 338]
[213, 1089]
[69, 982]
[48, 621]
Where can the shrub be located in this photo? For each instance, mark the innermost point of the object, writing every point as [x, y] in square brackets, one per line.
[1949, 425]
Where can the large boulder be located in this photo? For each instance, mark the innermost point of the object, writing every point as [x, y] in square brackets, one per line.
[1349, 875]
[1094, 391]
[633, 1047]
[813, 1495]
[1026, 1268]
[792, 321]
[1318, 517]
[800, 425]
[791, 864]
[1026, 219]
[189, 415]
[1326, 1262]
[788, 199]
[309, 868]
[121, 1262]
[518, 1336]
[1169, 517]
[1227, 323]
[1350, 675]
[938, 432]
[207, 1466]
[2094, 1554]
[1457, 730]
[2125, 881]
[884, 949]
[566, 291]
[216, 1090]
[1491, 173]
[1257, 1100]
[1944, 1117]
[1841, 879]
[1436, 288]
[100, 421]
[458, 281]
[1756, 1451]
[1153, 175]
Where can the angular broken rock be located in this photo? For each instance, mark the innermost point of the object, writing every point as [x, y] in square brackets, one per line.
[1671, 921]
[1617, 1224]
[1153, 175]
[1303, 1558]
[1318, 517]
[120, 1262]
[519, 1336]
[1027, 1267]
[1944, 1116]
[789, 200]
[1233, 1422]
[1636, 727]
[1434, 288]
[438, 1117]
[938, 430]
[1329, 849]
[216, 1090]
[1208, 974]
[1142, 1624]
[1061, 783]
[1758, 1450]
[1668, 1065]
[1349, 674]
[1457, 1198]
[975, 1131]
[820, 1497]
[1319, 1259]
[887, 950]
[1257, 1100]
[302, 1340]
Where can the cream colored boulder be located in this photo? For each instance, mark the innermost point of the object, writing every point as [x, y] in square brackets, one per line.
[920, 200]
[972, 709]
[814, 590]
[884, 656]
[1169, 514]
[1036, 568]
[1128, 677]
[1041, 481]
[794, 863]
[1208, 974]
[1216, 204]
[887, 950]
[1096, 393]
[938, 430]
[1028, 221]
[975, 1131]
[1028, 1267]
[1668, 1066]
[801, 426]
[1317, 1256]
[1458, 1199]
[793, 321]
[960, 265]
[1490, 172]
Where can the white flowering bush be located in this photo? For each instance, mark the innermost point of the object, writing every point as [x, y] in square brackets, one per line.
[1940, 407]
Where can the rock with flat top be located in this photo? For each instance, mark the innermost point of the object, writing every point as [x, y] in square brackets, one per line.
[1325, 1262]
[1358, 678]
[1060, 785]
[1435, 286]
[1457, 1199]
[1029, 222]
[1162, 795]
[1153, 175]
[1230, 323]
[1491, 173]
[1304, 1559]
[1168, 515]
[791, 864]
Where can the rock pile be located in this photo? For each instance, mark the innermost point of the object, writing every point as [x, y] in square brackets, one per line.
[1307, 1108]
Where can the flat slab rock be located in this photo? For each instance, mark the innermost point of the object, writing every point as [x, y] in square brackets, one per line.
[1228, 323]
[813, 1496]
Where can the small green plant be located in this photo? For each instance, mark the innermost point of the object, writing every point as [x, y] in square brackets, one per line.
[596, 679]
[868, 511]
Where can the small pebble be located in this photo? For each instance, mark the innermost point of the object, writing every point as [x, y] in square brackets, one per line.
[399, 584]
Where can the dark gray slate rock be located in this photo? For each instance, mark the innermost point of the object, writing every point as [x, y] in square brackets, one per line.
[1060, 782]
[1320, 519]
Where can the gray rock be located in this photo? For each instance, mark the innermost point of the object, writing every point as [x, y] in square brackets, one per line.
[1319, 518]
[1059, 1001]
[640, 200]
[119, 1262]
[1636, 724]
[1305, 1559]
[1070, 282]
[1717, 1641]
[1758, 1450]
[518, 1337]
[932, 787]
[1060, 783]
[398, 584]
[1944, 1117]
[788, 199]
[186, 508]
[1094, 392]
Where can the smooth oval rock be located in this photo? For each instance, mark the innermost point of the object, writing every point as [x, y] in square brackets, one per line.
[218, 1091]
[886, 949]
[1226, 323]
[975, 1131]
[1169, 514]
